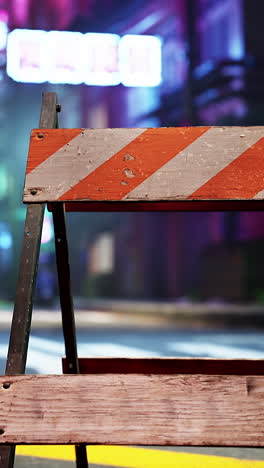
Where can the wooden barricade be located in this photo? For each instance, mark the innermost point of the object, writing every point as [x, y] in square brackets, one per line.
[166, 401]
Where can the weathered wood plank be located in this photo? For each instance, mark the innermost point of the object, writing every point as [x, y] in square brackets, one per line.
[133, 409]
[165, 366]
[146, 165]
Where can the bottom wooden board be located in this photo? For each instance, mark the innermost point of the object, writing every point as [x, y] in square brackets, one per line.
[166, 365]
[148, 206]
[131, 409]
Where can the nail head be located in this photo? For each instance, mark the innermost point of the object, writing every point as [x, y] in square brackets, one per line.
[6, 385]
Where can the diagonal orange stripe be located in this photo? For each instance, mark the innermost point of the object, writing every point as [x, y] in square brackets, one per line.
[41, 149]
[241, 179]
[137, 161]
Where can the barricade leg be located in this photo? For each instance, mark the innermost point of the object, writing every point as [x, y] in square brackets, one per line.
[18, 343]
[68, 322]
[21, 323]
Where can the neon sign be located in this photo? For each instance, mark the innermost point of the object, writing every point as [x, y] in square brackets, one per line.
[35, 56]
[140, 60]
[25, 61]
[63, 58]
[102, 67]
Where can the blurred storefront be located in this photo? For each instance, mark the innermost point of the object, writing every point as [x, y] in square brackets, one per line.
[212, 68]
[212, 61]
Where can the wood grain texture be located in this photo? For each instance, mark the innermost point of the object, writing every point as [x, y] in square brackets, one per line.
[146, 165]
[122, 409]
[165, 366]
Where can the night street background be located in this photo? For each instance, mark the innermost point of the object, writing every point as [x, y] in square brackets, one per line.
[136, 64]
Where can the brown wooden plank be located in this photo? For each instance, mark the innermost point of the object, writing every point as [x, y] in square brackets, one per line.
[194, 205]
[146, 165]
[165, 366]
[133, 409]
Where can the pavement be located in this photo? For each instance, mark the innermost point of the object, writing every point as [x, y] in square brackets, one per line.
[46, 345]
[51, 319]
[181, 313]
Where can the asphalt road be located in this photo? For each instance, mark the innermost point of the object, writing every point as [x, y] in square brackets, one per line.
[46, 349]
[46, 346]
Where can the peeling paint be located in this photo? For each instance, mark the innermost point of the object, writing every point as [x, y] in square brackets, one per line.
[129, 157]
[129, 173]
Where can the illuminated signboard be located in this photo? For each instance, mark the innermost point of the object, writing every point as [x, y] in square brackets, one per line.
[94, 59]
[26, 56]
[140, 60]
[101, 59]
[64, 57]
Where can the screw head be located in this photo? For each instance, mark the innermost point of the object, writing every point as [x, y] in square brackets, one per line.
[33, 192]
[41, 135]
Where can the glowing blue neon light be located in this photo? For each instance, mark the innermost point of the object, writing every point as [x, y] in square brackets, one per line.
[3, 34]
[237, 48]
[6, 240]
[47, 231]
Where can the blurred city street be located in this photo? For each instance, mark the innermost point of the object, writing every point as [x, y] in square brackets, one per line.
[46, 345]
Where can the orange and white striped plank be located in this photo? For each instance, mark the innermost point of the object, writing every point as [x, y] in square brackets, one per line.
[160, 164]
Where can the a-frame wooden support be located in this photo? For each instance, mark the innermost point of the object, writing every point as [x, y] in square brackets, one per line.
[21, 323]
[129, 401]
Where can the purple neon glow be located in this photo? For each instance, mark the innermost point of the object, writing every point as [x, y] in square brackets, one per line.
[21, 8]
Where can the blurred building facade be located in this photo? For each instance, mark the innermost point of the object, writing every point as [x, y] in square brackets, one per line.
[212, 74]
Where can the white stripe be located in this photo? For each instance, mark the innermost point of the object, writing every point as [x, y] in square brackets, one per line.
[76, 160]
[260, 195]
[250, 338]
[217, 351]
[42, 363]
[92, 349]
[113, 350]
[44, 344]
[38, 361]
[197, 163]
[45, 355]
